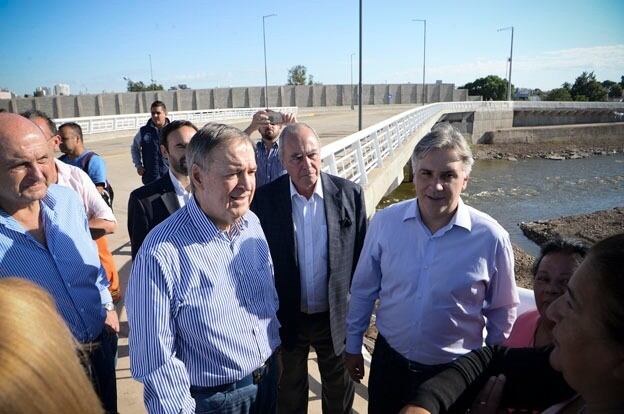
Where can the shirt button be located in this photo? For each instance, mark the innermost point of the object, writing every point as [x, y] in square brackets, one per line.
[69, 285]
[82, 310]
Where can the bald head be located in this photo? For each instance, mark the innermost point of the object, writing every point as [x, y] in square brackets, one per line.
[24, 162]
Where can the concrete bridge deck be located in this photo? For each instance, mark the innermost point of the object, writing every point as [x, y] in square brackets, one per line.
[331, 125]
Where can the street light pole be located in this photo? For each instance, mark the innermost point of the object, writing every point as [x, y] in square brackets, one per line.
[424, 54]
[266, 78]
[151, 71]
[360, 80]
[351, 89]
[510, 60]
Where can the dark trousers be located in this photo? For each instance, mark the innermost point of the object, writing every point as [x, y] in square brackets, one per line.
[337, 390]
[393, 377]
[99, 361]
[247, 396]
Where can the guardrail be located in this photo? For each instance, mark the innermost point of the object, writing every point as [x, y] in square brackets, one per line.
[112, 123]
[354, 156]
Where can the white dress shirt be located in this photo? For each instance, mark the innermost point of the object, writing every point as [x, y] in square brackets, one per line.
[76, 179]
[183, 195]
[310, 228]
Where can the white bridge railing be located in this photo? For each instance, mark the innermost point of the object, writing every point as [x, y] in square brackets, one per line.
[112, 123]
[355, 156]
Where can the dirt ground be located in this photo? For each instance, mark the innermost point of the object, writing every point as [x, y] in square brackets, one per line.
[590, 227]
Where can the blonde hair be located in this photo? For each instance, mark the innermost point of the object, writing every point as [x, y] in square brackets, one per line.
[39, 367]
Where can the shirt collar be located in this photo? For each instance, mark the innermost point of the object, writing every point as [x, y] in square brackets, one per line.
[260, 145]
[461, 217]
[177, 185]
[318, 189]
[47, 204]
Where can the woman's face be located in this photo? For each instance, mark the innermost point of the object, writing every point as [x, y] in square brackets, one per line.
[551, 278]
[583, 353]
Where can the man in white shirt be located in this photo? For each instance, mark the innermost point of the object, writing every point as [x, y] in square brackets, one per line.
[314, 224]
[153, 203]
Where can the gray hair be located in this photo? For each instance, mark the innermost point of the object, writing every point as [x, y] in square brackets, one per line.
[33, 114]
[444, 136]
[212, 136]
[291, 130]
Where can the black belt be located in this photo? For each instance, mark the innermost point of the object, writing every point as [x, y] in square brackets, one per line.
[413, 366]
[255, 377]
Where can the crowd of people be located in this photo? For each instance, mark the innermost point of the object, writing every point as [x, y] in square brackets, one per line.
[245, 256]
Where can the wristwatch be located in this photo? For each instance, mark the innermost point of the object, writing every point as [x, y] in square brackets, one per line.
[110, 306]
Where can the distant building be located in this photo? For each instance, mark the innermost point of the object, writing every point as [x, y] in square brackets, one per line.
[61, 89]
[42, 91]
[526, 94]
[5, 94]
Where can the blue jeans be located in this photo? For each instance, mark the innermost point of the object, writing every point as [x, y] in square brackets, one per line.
[100, 367]
[258, 398]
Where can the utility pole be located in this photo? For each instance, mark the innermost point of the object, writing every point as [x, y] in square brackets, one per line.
[510, 60]
[151, 71]
[424, 55]
[266, 77]
[360, 80]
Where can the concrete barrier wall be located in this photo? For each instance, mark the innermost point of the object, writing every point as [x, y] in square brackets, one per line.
[239, 97]
[564, 133]
[562, 117]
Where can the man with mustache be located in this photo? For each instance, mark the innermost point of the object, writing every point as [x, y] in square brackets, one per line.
[151, 204]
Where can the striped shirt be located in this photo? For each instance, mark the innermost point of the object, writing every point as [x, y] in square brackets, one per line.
[201, 307]
[269, 164]
[68, 268]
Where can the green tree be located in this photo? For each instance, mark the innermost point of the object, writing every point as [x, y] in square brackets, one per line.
[558, 94]
[297, 75]
[491, 87]
[615, 91]
[587, 88]
[141, 87]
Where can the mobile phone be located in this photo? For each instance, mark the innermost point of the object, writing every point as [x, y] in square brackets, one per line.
[275, 117]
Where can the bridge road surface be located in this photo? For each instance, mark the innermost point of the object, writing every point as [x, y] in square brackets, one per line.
[330, 124]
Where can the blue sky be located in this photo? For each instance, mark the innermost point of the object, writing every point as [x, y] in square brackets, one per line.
[92, 45]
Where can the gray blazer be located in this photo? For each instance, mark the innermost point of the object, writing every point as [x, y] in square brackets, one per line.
[345, 214]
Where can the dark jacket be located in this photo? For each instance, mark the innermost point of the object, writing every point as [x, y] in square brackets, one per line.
[345, 214]
[153, 161]
[148, 206]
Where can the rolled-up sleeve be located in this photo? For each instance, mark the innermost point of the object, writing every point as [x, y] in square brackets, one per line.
[502, 295]
[153, 360]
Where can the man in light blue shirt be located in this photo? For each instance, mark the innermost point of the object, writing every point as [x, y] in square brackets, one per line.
[442, 271]
[45, 238]
[201, 299]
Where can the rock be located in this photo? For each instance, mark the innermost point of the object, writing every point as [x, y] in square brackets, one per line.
[555, 157]
[512, 159]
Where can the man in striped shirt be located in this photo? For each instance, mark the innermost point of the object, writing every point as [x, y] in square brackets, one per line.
[201, 299]
[44, 237]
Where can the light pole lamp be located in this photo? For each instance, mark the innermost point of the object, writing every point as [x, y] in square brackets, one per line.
[266, 77]
[510, 60]
[424, 53]
[352, 92]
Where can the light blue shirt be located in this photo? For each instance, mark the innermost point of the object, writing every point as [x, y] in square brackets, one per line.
[310, 227]
[436, 291]
[96, 168]
[201, 307]
[68, 267]
[269, 164]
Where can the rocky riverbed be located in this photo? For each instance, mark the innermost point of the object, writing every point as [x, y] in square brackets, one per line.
[550, 150]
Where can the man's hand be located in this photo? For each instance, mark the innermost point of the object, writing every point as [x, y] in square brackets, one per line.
[355, 365]
[112, 321]
[288, 119]
[140, 170]
[490, 396]
[260, 118]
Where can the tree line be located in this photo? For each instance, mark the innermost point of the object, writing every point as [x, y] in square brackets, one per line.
[585, 88]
